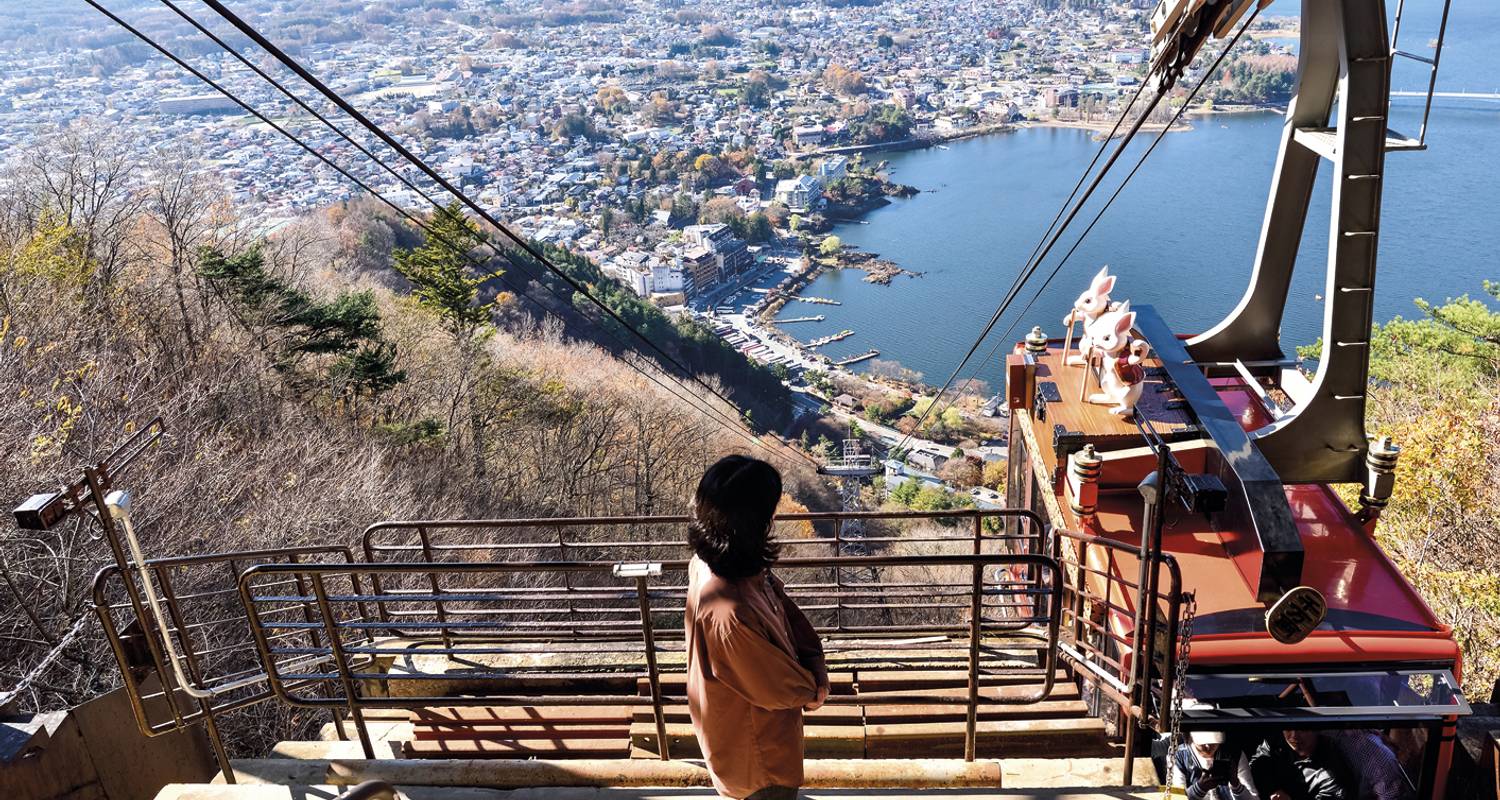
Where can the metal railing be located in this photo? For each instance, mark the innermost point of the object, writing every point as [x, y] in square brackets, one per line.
[978, 590]
[210, 631]
[846, 605]
[1009, 615]
[1099, 601]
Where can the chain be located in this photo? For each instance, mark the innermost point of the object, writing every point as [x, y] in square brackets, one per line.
[1179, 682]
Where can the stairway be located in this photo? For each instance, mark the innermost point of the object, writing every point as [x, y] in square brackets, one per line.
[855, 725]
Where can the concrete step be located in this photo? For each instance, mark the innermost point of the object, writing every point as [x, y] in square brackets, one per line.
[1064, 690]
[571, 714]
[1047, 709]
[1010, 773]
[674, 684]
[886, 680]
[457, 731]
[859, 715]
[827, 715]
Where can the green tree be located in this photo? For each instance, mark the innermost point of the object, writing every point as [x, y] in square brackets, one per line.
[1435, 390]
[884, 41]
[831, 246]
[444, 284]
[340, 336]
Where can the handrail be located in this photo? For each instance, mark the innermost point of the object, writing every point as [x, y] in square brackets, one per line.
[861, 601]
[145, 628]
[1044, 581]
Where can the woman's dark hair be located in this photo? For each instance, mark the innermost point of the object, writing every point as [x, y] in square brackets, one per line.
[732, 511]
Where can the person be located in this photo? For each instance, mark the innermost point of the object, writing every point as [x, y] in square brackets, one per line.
[754, 661]
[1300, 765]
[1196, 771]
[1380, 774]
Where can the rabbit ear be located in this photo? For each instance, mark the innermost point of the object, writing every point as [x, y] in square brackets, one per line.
[1123, 323]
[1102, 282]
[1124, 307]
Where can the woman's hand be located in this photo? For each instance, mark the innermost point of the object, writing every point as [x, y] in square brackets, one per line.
[818, 699]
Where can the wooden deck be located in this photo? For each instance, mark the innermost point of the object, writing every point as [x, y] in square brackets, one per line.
[1059, 416]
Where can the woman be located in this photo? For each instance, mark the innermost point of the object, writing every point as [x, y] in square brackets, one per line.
[754, 662]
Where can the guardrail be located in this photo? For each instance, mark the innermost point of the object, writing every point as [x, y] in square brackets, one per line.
[845, 605]
[313, 627]
[209, 628]
[1020, 600]
[1099, 601]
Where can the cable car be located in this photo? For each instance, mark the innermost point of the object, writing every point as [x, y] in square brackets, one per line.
[1213, 453]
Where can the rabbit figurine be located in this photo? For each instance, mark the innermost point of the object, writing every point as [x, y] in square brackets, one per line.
[1087, 309]
[1123, 378]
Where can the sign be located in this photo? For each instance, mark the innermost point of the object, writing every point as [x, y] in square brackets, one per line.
[1296, 614]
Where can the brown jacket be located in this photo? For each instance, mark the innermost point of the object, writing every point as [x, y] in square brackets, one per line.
[753, 662]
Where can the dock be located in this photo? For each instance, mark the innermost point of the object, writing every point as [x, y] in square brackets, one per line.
[856, 359]
[818, 318]
[820, 300]
[840, 336]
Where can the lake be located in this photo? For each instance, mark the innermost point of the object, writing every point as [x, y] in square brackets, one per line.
[1182, 236]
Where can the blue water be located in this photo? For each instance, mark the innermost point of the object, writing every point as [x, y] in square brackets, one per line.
[1182, 236]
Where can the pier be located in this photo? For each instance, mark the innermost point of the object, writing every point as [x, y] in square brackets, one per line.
[856, 359]
[818, 318]
[821, 300]
[841, 335]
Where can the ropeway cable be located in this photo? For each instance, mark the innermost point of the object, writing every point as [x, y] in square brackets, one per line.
[707, 408]
[1061, 209]
[435, 203]
[1031, 268]
[390, 141]
[1202, 81]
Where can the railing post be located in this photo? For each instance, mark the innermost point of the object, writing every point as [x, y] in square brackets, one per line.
[1140, 666]
[335, 643]
[437, 590]
[976, 614]
[653, 675]
[211, 726]
[312, 635]
[92, 477]
[838, 573]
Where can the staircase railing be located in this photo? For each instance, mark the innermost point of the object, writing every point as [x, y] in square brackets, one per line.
[1011, 599]
[979, 590]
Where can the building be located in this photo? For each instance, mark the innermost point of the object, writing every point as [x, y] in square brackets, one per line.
[197, 104]
[807, 135]
[924, 460]
[733, 254]
[700, 269]
[832, 168]
[799, 193]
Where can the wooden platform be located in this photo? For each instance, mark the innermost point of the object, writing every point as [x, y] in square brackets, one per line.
[862, 726]
[1058, 411]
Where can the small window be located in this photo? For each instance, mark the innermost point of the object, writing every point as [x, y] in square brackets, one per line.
[1324, 698]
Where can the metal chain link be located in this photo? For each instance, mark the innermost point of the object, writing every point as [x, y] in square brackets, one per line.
[1179, 682]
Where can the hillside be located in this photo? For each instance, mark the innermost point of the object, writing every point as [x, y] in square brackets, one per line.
[306, 390]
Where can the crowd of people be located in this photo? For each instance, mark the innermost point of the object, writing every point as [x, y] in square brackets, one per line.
[1298, 765]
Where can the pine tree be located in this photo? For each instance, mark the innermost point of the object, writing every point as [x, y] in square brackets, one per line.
[294, 327]
[444, 284]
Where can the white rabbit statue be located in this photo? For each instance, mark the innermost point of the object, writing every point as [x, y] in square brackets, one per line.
[1087, 309]
[1122, 378]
